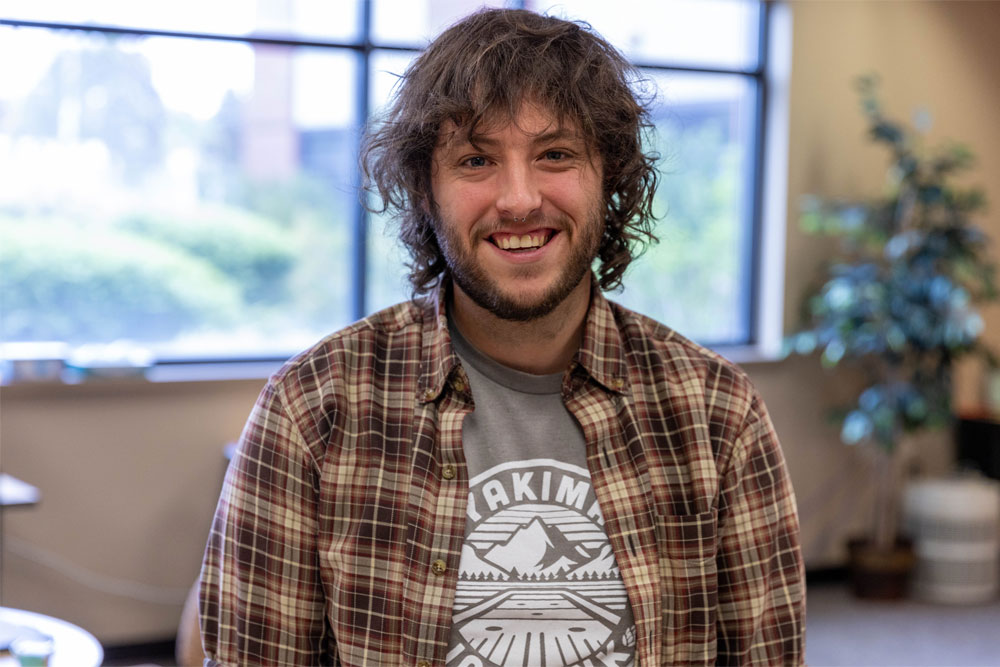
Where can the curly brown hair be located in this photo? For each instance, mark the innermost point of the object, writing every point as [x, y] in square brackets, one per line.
[480, 70]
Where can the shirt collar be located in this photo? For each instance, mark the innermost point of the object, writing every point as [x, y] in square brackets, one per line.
[438, 358]
[601, 352]
[600, 355]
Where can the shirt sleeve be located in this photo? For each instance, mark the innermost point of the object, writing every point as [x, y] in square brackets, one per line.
[761, 610]
[261, 598]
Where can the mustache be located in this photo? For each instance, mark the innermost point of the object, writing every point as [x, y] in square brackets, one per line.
[489, 227]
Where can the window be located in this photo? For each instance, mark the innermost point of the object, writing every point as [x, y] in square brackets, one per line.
[181, 177]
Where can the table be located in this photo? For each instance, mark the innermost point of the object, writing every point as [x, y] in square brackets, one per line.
[73, 646]
[15, 493]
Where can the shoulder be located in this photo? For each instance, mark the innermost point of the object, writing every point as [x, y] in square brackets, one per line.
[320, 386]
[657, 344]
[682, 371]
[392, 331]
[702, 401]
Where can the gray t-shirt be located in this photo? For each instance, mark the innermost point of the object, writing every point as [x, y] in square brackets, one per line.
[538, 583]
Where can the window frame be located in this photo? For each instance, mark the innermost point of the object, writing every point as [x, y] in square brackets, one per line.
[754, 235]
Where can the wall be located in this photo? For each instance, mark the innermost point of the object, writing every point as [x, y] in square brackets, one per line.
[130, 472]
[940, 56]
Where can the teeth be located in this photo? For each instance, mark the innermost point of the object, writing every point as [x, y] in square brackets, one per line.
[524, 241]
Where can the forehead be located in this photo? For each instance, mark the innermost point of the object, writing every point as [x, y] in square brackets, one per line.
[530, 122]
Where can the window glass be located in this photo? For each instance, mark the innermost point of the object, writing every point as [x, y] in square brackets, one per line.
[701, 33]
[696, 279]
[198, 197]
[416, 22]
[192, 196]
[386, 261]
[321, 19]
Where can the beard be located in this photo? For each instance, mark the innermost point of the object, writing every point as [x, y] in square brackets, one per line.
[506, 303]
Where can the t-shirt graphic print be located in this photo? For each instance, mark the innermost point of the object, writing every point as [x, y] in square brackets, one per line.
[538, 583]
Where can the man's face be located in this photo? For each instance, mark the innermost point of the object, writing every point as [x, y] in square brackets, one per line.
[519, 212]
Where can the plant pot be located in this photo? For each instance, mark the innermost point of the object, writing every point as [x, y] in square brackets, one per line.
[879, 574]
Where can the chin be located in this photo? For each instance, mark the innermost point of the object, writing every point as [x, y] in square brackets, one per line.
[523, 305]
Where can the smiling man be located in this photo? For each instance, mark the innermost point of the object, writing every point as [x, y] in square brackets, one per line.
[521, 285]
[508, 469]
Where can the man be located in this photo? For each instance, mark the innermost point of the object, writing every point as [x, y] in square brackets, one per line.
[511, 470]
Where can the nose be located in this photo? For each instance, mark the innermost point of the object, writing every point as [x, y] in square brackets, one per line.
[519, 195]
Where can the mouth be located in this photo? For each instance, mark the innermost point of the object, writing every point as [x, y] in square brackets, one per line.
[526, 242]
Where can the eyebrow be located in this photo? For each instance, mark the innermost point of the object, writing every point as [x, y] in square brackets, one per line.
[457, 139]
[559, 134]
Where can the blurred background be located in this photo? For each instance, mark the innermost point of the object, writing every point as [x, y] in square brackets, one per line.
[179, 212]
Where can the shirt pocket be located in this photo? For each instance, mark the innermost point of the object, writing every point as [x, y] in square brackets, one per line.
[687, 548]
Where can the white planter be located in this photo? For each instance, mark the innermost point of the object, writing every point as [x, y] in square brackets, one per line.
[955, 527]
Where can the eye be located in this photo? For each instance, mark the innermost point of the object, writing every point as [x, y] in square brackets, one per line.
[475, 161]
[555, 155]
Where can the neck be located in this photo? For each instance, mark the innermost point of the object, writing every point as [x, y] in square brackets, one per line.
[540, 346]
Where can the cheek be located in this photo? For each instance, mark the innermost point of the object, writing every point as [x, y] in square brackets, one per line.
[463, 204]
[579, 197]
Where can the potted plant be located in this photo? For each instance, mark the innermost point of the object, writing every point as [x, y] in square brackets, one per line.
[899, 303]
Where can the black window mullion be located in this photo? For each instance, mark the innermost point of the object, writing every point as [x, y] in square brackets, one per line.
[359, 287]
[695, 69]
[752, 238]
[270, 40]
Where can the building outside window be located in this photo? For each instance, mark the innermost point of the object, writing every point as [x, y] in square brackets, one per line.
[181, 178]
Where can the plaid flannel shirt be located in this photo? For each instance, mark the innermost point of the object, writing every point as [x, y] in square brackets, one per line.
[337, 538]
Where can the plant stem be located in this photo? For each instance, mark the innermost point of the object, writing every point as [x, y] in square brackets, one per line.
[886, 495]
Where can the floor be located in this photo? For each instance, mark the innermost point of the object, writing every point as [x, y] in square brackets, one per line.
[159, 655]
[842, 630]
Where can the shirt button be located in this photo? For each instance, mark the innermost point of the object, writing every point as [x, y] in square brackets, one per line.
[424, 663]
[439, 567]
[617, 383]
[428, 394]
[448, 471]
[459, 385]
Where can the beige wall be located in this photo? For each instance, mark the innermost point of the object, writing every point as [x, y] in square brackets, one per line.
[941, 56]
[129, 475]
[130, 472]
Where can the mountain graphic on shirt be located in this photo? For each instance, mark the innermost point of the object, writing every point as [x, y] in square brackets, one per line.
[534, 549]
[538, 582]
[474, 567]
[603, 566]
